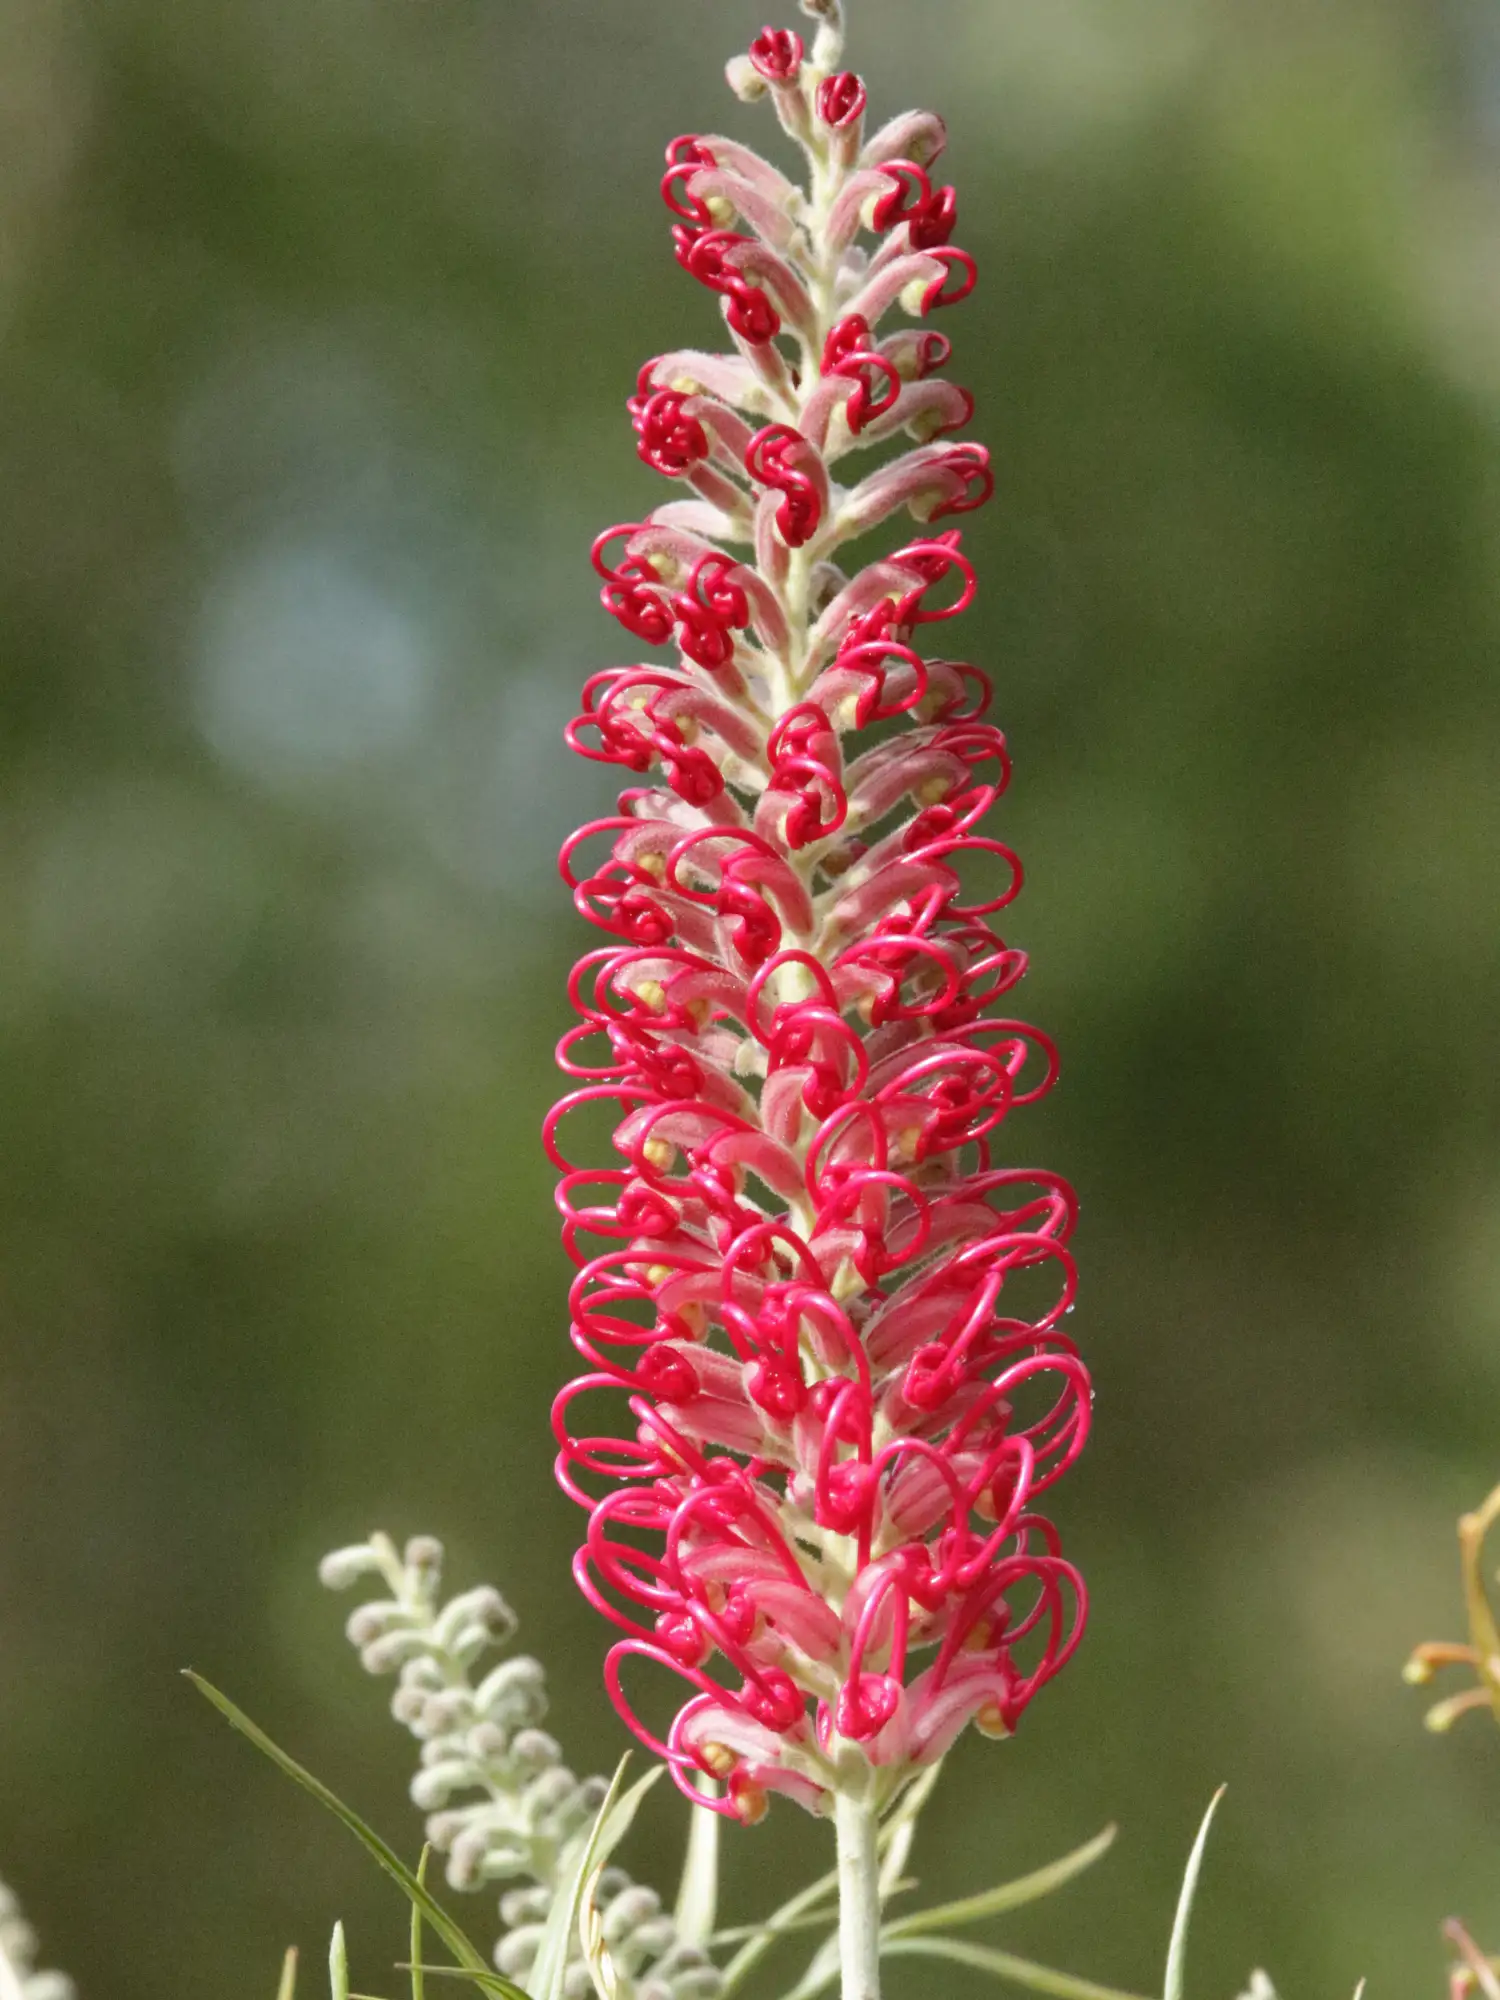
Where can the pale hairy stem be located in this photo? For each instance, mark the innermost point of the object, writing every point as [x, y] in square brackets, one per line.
[859, 1896]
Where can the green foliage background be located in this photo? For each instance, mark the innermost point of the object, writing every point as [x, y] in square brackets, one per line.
[316, 321]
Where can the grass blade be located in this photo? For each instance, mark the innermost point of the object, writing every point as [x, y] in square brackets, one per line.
[438, 1919]
[1002, 1965]
[338, 1965]
[287, 1990]
[1007, 1896]
[1177, 1949]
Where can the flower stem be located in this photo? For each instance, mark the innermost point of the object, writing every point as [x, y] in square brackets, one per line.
[859, 1897]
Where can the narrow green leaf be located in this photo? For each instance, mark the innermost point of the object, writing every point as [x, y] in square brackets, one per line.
[1359, 1991]
[822, 1972]
[610, 1826]
[1177, 1949]
[900, 1828]
[809, 1923]
[550, 1966]
[1008, 1896]
[417, 1967]
[437, 1917]
[606, 1840]
[338, 1966]
[777, 1925]
[1019, 1971]
[698, 1892]
[287, 1990]
[743, 1931]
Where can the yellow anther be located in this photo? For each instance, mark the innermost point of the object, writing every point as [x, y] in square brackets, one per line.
[990, 1722]
[750, 1804]
[659, 1153]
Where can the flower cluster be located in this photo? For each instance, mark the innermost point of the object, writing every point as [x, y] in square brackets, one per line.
[502, 1805]
[1481, 1655]
[19, 1978]
[834, 1309]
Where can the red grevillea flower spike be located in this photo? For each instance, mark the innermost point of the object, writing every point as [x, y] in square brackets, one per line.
[831, 1308]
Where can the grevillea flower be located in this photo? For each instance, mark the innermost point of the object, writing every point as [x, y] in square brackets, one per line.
[832, 1308]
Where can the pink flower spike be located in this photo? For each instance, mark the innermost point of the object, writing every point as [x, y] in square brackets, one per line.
[823, 1381]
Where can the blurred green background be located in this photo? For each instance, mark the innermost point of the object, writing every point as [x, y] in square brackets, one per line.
[316, 321]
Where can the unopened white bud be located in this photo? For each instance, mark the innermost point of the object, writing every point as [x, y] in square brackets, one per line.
[706, 1983]
[487, 1741]
[516, 1952]
[630, 1909]
[409, 1706]
[383, 1656]
[424, 1553]
[514, 1693]
[551, 1790]
[372, 1621]
[524, 1906]
[343, 1567]
[475, 1618]
[435, 1784]
[745, 80]
[535, 1750]
[447, 1712]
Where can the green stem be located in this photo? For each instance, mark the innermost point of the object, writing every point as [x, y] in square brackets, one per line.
[859, 1897]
